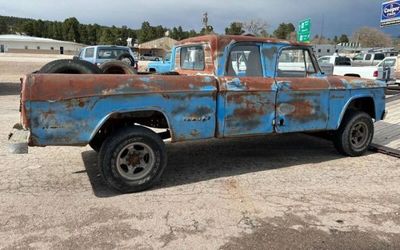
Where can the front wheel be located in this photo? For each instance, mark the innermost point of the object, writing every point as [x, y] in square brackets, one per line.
[132, 159]
[354, 134]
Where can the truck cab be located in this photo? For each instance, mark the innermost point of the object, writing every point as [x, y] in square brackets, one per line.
[368, 59]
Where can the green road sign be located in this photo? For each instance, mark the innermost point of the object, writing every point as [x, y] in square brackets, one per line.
[304, 31]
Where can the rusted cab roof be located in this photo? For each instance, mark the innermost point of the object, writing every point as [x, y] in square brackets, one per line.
[216, 45]
[218, 42]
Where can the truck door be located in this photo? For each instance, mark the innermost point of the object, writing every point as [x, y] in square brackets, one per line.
[246, 104]
[302, 102]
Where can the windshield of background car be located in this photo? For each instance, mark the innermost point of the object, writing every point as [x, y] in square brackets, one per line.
[358, 57]
[192, 58]
[388, 63]
[167, 57]
[110, 53]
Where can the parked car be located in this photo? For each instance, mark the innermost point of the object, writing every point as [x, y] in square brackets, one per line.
[103, 53]
[335, 60]
[342, 66]
[372, 58]
[223, 87]
[149, 57]
[160, 66]
[327, 63]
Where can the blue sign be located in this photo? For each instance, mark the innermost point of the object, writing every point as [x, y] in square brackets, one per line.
[390, 13]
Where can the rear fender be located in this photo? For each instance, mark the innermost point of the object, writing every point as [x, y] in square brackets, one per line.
[125, 111]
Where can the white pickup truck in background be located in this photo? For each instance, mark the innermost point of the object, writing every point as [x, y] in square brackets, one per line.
[342, 66]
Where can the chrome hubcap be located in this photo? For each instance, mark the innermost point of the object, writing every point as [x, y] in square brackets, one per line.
[135, 161]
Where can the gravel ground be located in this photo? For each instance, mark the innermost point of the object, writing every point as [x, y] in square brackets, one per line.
[274, 192]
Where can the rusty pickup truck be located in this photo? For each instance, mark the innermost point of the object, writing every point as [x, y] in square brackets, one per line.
[220, 87]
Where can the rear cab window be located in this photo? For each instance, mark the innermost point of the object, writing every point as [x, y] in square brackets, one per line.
[342, 61]
[244, 60]
[192, 58]
[379, 56]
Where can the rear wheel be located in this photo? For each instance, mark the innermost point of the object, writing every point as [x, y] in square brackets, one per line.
[354, 134]
[132, 159]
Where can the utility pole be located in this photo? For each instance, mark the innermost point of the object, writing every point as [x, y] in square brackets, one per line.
[322, 29]
[205, 20]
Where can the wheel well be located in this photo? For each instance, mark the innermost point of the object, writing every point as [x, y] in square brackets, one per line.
[152, 119]
[152, 70]
[365, 104]
[353, 75]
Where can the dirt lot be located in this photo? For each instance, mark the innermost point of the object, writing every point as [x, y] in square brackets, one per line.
[275, 192]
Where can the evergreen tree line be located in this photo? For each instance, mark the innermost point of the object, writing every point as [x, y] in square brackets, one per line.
[91, 34]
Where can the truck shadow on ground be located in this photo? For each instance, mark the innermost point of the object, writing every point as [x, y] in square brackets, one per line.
[192, 162]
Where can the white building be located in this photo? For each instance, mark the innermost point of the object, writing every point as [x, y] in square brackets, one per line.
[29, 44]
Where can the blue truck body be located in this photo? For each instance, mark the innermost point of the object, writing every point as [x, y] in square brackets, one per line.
[160, 66]
[196, 104]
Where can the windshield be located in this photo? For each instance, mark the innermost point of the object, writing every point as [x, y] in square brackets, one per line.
[388, 63]
[110, 53]
[358, 57]
[167, 57]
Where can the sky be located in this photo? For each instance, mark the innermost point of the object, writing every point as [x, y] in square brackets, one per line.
[333, 17]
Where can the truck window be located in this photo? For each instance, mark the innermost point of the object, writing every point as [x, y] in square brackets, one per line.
[244, 60]
[368, 57]
[342, 61]
[89, 53]
[389, 63]
[192, 58]
[379, 56]
[295, 63]
[358, 57]
[110, 53]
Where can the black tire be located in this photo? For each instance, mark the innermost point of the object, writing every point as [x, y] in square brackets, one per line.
[116, 67]
[127, 56]
[350, 142]
[115, 149]
[66, 66]
[96, 142]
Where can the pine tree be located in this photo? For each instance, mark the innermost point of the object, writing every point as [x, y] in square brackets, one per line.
[3, 27]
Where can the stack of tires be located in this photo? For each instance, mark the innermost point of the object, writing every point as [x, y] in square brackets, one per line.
[76, 66]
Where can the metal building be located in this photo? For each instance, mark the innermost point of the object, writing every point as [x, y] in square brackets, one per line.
[38, 45]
